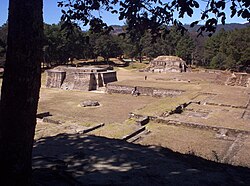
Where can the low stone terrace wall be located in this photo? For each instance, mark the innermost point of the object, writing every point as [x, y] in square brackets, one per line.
[145, 91]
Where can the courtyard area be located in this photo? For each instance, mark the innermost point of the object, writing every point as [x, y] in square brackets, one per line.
[192, 136]
[214, 124]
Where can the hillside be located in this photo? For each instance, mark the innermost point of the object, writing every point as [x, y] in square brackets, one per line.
[227, 27]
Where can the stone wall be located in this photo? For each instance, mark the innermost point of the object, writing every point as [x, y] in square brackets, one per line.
[109, 76]
[239, 79]
[85, 79]
[55, 78]
[78, 81]
[145, 91]
[120, 89]
[80, 69]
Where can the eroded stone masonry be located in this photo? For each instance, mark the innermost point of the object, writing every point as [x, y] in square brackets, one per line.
[168, 64]
[79, 78]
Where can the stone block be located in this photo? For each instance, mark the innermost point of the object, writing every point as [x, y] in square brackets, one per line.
[55, 78]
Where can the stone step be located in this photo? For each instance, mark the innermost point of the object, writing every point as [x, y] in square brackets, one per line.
[133, 134]
[139, 136]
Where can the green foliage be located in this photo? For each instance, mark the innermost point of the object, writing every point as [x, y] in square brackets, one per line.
[128, 47]
[175, 43]
[59, 47]
[136, 66]
[153, 15]
[185, 47]
[229, 50]
[218, 61]
[3, 40]
[106, 46]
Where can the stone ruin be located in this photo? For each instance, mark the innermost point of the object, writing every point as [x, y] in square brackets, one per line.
[89, 103]
[238, 79]
[167, 64]
[144, 91]
[176, 64]
[79, 78]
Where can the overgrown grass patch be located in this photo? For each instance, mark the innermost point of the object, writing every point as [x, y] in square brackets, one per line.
[187, 140]
[130, 121]
[136, 66]
[88, 124]
[164, 105]
[115, 130]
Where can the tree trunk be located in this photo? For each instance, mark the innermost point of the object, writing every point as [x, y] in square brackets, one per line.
[140, 57]
[20, 90]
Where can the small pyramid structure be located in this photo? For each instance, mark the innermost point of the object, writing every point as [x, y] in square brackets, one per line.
[167, 64]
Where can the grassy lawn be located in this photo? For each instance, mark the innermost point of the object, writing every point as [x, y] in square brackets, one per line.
[115, 130]
[136, 66]
[187, 140]
[64, 106]
[164, 105]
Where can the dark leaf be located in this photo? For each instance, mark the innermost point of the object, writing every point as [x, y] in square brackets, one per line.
[233, 13]
[190, 12]
[114, 12]
[60, 4]
[194, 23]
[239, 12]
[63, 11]
[223, 19]
[245, 14]
[221, 4]
[221, 14]
[196, 4]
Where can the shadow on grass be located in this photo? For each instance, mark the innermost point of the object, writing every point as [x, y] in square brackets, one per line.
[90, 160]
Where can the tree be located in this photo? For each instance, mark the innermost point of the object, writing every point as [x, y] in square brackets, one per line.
[151, 49]
[174, 43]
[59, 47]
[212, 45]
[107, 47]
[237, 49]
[218, 61]
[3, 41]
[154, 15]
[127, 46]
[135, 37]
[184, 48]
[20, 90]
[198, 52]
[229, 50]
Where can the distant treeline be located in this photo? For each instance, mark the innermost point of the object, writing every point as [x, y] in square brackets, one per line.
[224, 50]
[228, 50]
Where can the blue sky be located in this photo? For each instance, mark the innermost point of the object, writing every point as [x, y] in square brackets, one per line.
[52, 14]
